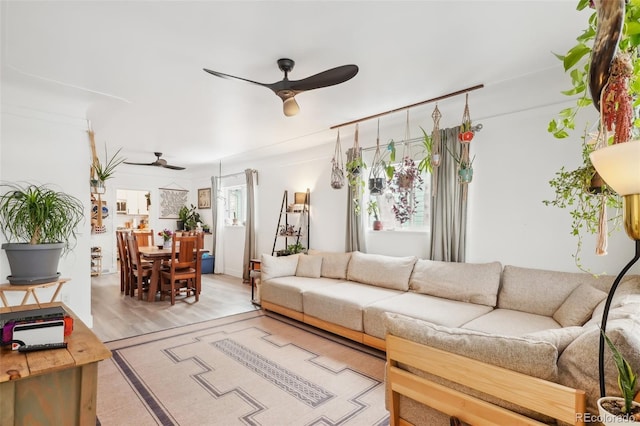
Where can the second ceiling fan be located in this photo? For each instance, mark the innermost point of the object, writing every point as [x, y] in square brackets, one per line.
[287, 89]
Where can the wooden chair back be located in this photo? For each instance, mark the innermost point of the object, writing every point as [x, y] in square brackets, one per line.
[185, 267]
[123, 254]
[138, 269]
[145, 238]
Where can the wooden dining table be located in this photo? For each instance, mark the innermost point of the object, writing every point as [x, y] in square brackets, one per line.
[156, 255]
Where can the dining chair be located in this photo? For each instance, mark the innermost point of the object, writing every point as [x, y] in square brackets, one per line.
[183, 268]
[139, 270]
[125, 275]
[145, 238]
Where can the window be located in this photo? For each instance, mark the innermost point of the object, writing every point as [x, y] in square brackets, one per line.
[234, 207]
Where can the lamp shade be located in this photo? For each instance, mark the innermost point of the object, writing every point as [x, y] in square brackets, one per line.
[300, 198]
[290, 107]
[619, 166]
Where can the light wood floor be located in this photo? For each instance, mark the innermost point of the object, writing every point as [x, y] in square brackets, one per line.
[116, 316]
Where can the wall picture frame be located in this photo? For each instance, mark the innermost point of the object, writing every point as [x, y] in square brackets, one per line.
[204, 198]
[171, 200]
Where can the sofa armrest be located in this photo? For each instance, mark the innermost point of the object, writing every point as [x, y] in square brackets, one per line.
[548, 398]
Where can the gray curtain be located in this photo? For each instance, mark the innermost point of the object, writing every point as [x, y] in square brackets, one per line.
[214, 211]
[355, 228]
[249, 227]
[448, 209]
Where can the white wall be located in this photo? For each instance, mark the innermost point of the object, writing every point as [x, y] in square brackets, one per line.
[44, 141]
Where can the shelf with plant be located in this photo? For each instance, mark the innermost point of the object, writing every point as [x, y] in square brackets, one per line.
[589, 64]
[101, 172]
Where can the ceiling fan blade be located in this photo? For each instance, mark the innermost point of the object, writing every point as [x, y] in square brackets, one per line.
[324, 79]
[140, 164]
[223, 75]
[169, 166]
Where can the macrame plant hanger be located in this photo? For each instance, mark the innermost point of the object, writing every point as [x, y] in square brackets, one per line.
[377, 180]
[465, 165]
[337, 166]
[436, 144]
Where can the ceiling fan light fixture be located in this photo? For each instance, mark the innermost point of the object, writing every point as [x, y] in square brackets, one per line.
[290, 107]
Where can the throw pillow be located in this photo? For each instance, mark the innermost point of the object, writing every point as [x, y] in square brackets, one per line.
[309, 266]
[579, 306]
[278, 266]
[534, 358]
[334, 264]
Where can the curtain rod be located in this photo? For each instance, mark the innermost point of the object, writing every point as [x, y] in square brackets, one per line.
[439, 98]
[254, 171]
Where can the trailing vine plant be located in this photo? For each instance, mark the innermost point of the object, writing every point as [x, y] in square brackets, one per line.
[573, 188]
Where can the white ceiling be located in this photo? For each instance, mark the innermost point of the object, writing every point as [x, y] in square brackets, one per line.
[138, 65]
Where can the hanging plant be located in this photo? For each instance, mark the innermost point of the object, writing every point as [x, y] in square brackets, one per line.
[406, 180]
[337, 166]
[377, 180]
[354, 168]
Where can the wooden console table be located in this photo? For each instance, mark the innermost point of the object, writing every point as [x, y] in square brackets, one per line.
[29, 290]
[57, 386]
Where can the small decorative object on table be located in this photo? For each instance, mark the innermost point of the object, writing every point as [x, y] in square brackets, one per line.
[166, 235]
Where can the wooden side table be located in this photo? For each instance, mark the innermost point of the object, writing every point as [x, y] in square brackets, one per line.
[58, 386]
[254, 267]
[29, 290]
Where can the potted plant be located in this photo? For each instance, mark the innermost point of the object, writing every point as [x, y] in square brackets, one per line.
[465, 167]
[616, 410]
[100, 172]
[183, 217]
[354, 178]
[588, 63]
[166, 235]
[374, 210]
[295, 248]
[382, 168]
[39, 224]
[429, 160]
[406, 179]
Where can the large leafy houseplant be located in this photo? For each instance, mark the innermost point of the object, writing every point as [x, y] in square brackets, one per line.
[37, 219]
[585, 64]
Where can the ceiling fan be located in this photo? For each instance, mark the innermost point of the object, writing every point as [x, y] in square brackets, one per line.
[288, 89]
[160, 162]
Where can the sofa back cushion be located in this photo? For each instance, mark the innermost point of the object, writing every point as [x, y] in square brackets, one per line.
[277, 266]
[466, 282]
[535, 358]
[540, 291]
[334, 264]
[309, 266]
[380, 270]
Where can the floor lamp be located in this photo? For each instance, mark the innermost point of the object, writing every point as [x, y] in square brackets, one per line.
[619, 166]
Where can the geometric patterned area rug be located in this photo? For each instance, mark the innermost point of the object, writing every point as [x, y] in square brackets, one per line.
[245, 369]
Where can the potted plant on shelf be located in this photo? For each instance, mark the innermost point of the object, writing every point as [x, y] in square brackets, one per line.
[100, 172]
[39, 224]
[620, 410]
[374, 210]
[295, 248]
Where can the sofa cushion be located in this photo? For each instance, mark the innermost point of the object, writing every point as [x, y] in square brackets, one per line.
[343, 303]
[334, 264]
[380, 270]
[539, 291]
[578, 307]
[534, 358]
[558, 337]
[466, 282]
[508, 322]
[277, 266]
[309, 266]
[625, 302]
[287, 291]
[451, 313]
[578, 364]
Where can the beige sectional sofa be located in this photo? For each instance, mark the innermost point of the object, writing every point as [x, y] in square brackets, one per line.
[548, 320]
